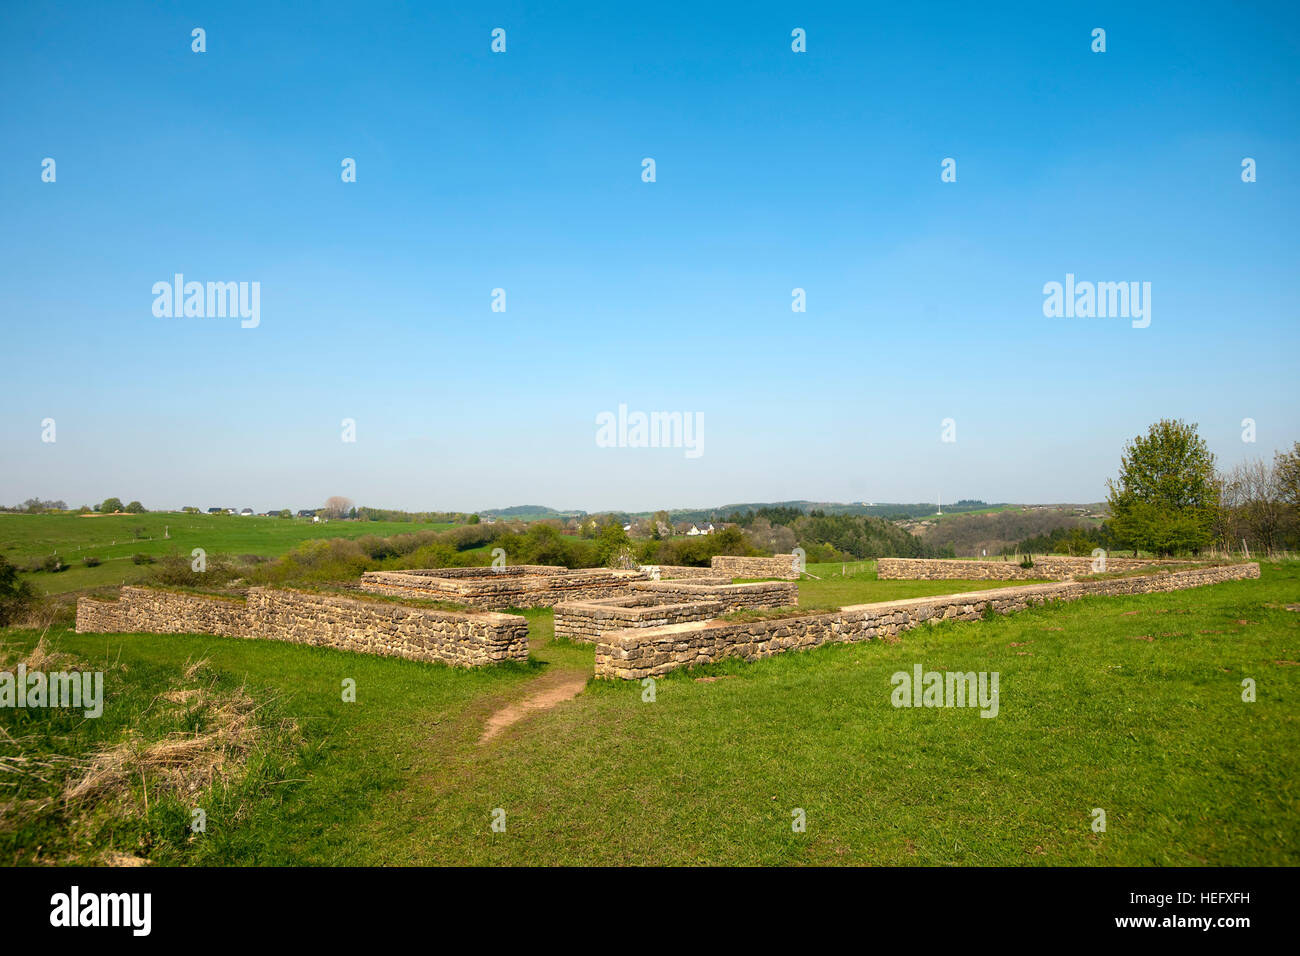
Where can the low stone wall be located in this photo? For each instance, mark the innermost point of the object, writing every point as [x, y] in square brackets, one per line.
[159, 611]
[648, 652]
[364, 625]
[784, 566]
[673, 572]
[387, 629]
[659, 603]
[586, 621]
[734, 597]
[522, 585]
[1051, 567]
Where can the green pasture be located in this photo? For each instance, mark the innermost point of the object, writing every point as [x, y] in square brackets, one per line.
[116, 539]
[1131, 705]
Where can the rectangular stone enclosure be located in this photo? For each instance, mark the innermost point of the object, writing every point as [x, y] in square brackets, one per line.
[636, 653]
[656, 603]
[520, 585]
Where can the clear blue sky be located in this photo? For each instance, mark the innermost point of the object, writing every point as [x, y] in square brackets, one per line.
[522, 171]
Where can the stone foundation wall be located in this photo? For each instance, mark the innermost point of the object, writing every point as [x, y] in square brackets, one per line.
[675, 572]
[586, 621]
[158, 611]
[659, 603]
[387, 629]
[1052, 567]
[322, 620]
[648, 652]
[100, 617]
[782, 566]
[734, 597]
[517, 586]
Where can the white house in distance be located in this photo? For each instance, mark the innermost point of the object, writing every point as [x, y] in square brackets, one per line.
[696, 529]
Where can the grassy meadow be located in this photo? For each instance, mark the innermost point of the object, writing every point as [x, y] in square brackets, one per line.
[116, 539]
[1129, 704]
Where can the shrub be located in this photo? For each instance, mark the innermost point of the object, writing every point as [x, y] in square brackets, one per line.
[51, 563]
[141, 559]
[176, 570]
[18, 599]
[90, 561]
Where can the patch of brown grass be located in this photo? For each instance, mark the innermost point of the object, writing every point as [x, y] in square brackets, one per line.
[181, 763]
[39, 658]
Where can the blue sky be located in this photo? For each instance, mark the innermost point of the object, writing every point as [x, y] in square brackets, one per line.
[522, 171]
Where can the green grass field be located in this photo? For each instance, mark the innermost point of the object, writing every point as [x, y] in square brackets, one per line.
[115, 539]
[840, 585]
[1132, 705]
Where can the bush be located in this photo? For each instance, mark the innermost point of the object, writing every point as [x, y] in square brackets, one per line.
[318, 561]
[51, 564]
[176, 570]
[90, 561]
[141, 559]
[18, 599]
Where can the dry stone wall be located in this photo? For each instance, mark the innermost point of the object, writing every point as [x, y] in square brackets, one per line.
[159, 611]
[514, 586]
[633, 654]
[387, 629]
[367, 626]
[734, 597]
[659, 603]
[783, 566]
[586, 621]
[1052, 567]
[673, 572]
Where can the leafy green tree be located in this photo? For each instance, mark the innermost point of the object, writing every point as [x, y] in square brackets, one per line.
[611, 540]
[110, 505]
[1166, 499]
[134, 508]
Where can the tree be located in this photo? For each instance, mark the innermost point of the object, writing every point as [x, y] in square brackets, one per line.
[134, 508]
[1263, 509]
[1287, 466]
[286, 513]
[110, 505]
[1166, 499]
[611, 544]
[337, 506]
